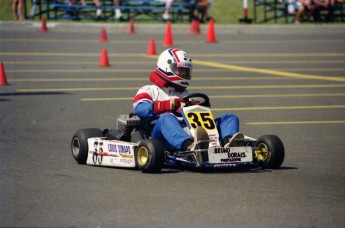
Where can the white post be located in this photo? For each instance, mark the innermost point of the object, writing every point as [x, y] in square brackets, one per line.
[245, 13]
[245, 8]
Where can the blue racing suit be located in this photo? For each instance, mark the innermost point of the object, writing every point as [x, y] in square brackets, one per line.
[167, 128]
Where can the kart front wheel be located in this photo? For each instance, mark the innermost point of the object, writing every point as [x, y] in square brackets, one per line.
[79, 143]
[270, 152]
[150, 156]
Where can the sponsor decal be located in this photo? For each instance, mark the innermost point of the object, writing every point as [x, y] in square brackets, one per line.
[213, 137]
[116, 148]
[230, 160]
[127, 161]
[123, 149]
[224, 165]
[230, 155]
[112, 148]
[214, 140]
[127, 155]
[221, 150]
[237, 155]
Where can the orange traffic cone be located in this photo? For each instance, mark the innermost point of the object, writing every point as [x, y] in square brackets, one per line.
[104, 61]
[44, 25]
[3, 80]
[192, 27]
[131, 29]
[195, 27]
[168, 40]
[211, 36]
[151, 50]
[103, 37]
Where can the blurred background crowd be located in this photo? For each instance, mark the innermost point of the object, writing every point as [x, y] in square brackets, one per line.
[298, 11]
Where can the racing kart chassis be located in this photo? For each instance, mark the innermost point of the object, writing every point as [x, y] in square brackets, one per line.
[267, 152]
[130, 145]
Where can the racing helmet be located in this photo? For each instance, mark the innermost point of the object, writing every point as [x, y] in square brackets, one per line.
[175, 66]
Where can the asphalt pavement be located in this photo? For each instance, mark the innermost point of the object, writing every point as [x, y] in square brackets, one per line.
[283, 80]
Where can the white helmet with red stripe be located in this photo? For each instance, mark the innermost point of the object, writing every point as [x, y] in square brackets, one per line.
[175, 67]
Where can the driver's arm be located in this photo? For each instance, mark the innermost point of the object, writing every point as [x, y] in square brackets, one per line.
[146, 105]
[144, 110]
[149, 110]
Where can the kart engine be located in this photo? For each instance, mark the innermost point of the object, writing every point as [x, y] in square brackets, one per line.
[130, 128]
[127, 123]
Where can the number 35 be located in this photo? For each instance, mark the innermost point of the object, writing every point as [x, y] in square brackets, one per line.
[203, 119]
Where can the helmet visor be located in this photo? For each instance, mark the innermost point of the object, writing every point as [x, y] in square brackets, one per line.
[182, 71]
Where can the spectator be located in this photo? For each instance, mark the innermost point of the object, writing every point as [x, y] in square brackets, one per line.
[203, 9]
[332, 8]
[308, 7]
[296, 7]
[202, 6]
[323, 5]
[17, 10]
[73, 12]
[168, 4]
[210, 5]
[73, 2]
[35, 3]
[117, 11]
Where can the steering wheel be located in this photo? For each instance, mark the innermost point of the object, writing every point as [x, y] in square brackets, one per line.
[197, 98]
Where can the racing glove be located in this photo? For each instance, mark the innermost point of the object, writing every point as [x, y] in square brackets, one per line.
[171, 105]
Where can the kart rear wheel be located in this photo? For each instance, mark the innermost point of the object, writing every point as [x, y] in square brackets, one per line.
[270, 152]
[79, 145]
[150, 156]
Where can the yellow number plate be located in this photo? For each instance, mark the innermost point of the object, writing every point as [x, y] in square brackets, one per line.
[203, 119]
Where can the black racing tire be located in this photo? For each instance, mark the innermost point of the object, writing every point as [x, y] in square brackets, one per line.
[272, 152]
[79, 145]
[150, 156]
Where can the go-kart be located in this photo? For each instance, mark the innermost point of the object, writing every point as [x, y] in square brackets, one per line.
[130, 145]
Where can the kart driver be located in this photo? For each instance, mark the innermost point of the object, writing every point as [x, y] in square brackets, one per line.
[160, 101]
